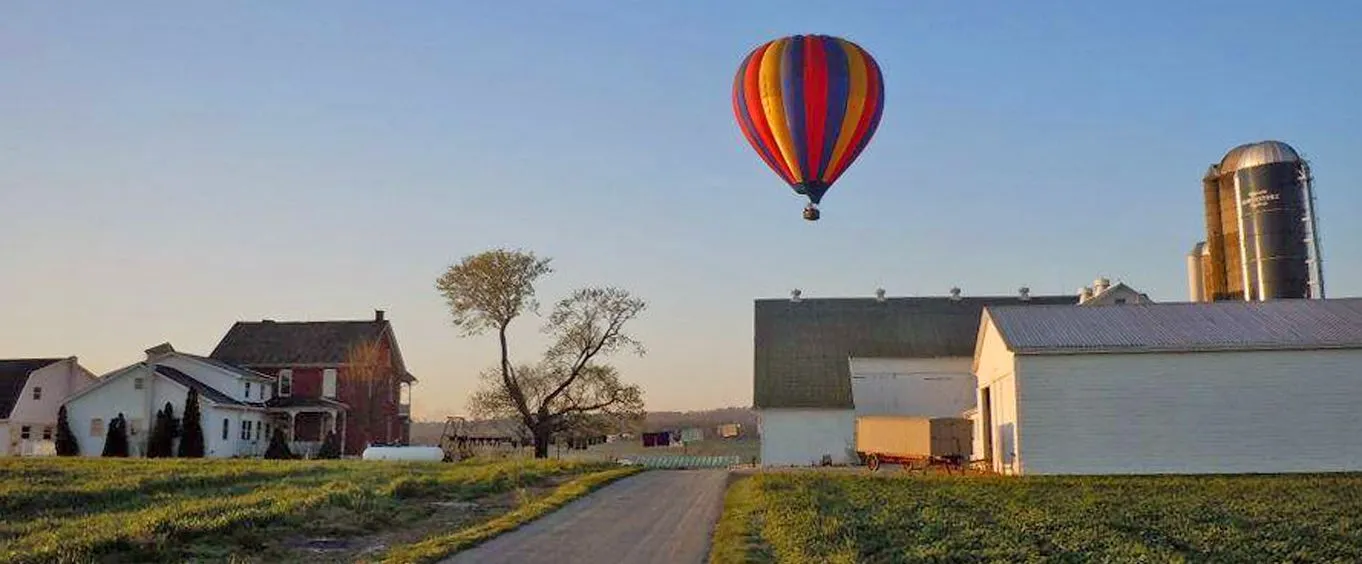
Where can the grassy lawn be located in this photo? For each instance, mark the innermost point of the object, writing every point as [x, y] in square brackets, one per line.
[137, 510]
[827, 517]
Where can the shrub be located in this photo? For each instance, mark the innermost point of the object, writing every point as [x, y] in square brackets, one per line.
[278, 448]
[191, 444]
[162, 434]
[66, 440]
[116, 441]
[330, 447]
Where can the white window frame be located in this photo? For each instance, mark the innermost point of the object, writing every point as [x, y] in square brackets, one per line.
[138, 384]
[26, 432]
[248, 389]
[285, 382]
[97, 427]
[226, 428]
[37, 393]
[330, 382]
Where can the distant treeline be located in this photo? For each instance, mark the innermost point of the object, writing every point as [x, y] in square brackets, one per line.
[428, 432]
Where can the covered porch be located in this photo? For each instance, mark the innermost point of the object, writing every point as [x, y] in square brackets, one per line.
[306, 422]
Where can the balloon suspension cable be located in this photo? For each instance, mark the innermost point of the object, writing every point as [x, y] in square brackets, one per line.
[811, 212]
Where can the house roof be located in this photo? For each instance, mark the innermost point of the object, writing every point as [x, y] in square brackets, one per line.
[283, 343]
[205, 391]
[13, 376]
[229, 367]
[295, 401]
[1182, 327]
[802, 348]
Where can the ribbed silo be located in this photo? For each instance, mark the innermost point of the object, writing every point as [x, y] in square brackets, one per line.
[1260, 226]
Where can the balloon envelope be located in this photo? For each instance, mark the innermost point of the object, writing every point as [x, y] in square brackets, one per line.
[808, 104]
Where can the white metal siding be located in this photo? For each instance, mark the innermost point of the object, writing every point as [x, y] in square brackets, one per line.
[920, 387]
[801, 437]
[1226, 412]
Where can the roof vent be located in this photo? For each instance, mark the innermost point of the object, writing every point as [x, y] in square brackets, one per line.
[794, 295]
[879, 294]
[1100, 285]
[955, 294]
[1084, 294]
[1024, 293]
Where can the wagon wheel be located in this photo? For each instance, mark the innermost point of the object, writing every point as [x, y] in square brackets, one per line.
[873, 462]
[914, 465]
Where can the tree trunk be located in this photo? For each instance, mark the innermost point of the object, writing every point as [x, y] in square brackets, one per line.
[542, 437]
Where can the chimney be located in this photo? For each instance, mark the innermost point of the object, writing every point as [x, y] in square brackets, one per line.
[378, 315]
[159, 350]
[879, 295]
[955, 294]
[794, 295]
[1024, 293]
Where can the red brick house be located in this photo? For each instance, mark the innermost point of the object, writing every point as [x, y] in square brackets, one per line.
[315, 389]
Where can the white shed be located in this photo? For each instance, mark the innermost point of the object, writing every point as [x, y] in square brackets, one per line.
[1185, 388]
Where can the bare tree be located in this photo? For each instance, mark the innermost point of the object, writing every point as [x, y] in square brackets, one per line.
[490, 290]
[369, 373]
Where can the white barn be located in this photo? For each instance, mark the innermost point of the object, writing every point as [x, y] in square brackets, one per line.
[820, 363]
[1184, 388]
[31, 392]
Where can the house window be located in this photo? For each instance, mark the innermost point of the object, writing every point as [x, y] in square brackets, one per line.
[47, 433]
[257, 430]
[329, 382]
[96, 427]
[245, 430]
[267, 430]
[226, 428]
[1120, 301]
[37, 392]
[25, 432]
[137, 383]
[248, 390]
[285, 383]
[134, 426]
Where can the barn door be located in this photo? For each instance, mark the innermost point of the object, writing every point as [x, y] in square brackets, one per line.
[986, 419]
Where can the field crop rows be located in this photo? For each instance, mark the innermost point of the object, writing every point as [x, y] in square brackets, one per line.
[824, 517]
[137, 510]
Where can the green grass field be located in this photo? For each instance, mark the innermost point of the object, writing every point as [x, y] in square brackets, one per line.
[827, 517]
[137, 510]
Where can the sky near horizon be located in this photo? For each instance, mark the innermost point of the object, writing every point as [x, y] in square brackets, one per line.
[167, 169]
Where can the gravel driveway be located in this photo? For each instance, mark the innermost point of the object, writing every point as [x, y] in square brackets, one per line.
[658, 516]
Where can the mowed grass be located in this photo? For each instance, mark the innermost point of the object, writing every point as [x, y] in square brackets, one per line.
[828, 517]
[137, 510]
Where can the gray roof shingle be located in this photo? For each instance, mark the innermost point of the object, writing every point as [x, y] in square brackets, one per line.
[13, 376]
[1216, 326]
[285, 343]
[801, 348]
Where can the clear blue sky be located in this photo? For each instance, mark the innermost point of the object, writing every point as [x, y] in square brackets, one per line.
[168, 169]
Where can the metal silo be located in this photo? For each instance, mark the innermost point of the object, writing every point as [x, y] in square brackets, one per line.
[1261, 237]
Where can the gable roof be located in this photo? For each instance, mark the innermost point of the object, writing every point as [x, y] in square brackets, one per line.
[205, 391]
[1182, 327]
[802, 348]
[284, 343]
[13, 376]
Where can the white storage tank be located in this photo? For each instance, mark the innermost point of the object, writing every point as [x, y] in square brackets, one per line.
[416, 453]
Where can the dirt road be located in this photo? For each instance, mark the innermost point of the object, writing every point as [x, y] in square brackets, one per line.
[658, 516]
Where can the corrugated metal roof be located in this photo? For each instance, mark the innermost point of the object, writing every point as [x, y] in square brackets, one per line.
[1215, 326]
[801, 348]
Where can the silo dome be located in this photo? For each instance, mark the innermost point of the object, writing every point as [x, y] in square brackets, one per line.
[1250, 155]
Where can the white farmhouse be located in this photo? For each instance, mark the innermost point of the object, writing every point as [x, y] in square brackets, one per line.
[1221, 387]
[31, 392]
[231, 403]
[820, 363]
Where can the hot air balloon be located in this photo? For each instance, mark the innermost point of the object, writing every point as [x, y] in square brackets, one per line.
[808, 104]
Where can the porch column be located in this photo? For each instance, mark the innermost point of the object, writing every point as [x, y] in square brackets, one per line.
[291, 415]
[342, 430]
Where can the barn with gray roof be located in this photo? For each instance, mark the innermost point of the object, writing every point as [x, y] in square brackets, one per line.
[820, 362]
[1181, 388]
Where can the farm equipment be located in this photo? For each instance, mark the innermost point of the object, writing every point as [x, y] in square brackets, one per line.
[914, 443]
[454, 440]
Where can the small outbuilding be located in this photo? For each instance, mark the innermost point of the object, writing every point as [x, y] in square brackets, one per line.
[1179, 388]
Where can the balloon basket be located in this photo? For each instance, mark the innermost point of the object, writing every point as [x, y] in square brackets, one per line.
[811, 213]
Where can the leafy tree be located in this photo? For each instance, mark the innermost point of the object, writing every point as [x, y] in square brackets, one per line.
[66, 440]
[369, 376]
[116, 440]
[278, 448]
[191, 443]
[490, 290]
[330, 447]
[162, 441]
